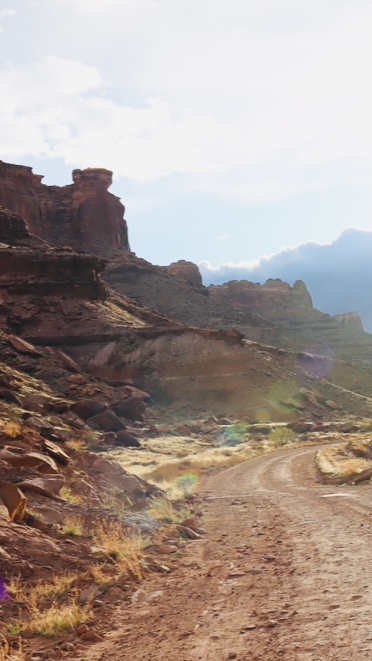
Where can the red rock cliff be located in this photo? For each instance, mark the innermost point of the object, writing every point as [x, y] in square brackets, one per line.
[275, 300]
[82, 215]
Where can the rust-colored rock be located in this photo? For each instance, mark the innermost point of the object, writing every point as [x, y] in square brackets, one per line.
[13, 499]
[82, 215]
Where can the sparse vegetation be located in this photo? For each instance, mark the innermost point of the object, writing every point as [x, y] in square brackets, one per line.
[46, 614]
[166, 511]
[282, 436]
[68, 494]
[346, 462]
[76, 444]
[125, 548]
[12, 429]
[56, 618]
[73, 526]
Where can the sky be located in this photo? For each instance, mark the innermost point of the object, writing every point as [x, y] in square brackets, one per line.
[234, 128]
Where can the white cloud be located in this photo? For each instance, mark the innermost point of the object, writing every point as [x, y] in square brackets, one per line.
[4, 14]
[250, 98]
[99, 7]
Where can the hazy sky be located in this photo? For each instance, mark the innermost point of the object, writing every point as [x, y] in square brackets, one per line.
[234, 127]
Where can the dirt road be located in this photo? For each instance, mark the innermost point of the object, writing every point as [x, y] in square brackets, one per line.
[284, 573]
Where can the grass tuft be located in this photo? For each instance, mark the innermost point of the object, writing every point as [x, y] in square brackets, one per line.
[126, 549]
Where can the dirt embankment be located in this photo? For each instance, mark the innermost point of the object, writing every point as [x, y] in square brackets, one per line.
[284, 573]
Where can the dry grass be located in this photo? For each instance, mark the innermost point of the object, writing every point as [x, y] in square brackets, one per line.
[71, 497]
[164, 510]
[76, 444]
[73, 526]
[32, 596]
[126, 549]
[46, 615]
[98, 573]
[12, 429]
[11, 652]
[56, 618]
[345, 461]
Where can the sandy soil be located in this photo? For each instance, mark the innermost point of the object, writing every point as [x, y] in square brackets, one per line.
[284, 573]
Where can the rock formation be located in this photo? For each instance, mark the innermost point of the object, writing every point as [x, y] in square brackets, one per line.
[276, 300]
[29, 266]
[185, 271]
[350, 319]
[82, 215]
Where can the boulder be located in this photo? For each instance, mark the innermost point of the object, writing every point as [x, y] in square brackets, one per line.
[56, 453]
[40, 424]
[32, 460]
[132, 408]
[87, 408]
[106, 421]
[13, 499]
[126, 440]
[33, 403]
[45, 486]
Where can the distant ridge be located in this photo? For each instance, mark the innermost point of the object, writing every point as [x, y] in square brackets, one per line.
[338, 275]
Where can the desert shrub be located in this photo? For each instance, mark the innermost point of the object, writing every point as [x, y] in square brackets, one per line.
[282, 436]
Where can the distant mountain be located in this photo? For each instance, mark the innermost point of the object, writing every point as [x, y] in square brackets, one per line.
[338, 275]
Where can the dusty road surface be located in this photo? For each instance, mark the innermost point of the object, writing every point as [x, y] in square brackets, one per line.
[285, 572]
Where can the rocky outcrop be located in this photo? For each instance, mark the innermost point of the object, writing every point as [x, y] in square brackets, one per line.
[276, 300]
[351, 320]
[185, 271]
[82, 215]
[29, 266]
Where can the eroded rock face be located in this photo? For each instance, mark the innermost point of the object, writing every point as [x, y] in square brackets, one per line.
[186, 271]
[29, 265]
[82, 215]
[351, 320]
[276, 300]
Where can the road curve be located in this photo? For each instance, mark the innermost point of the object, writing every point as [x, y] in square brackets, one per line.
[285, 572]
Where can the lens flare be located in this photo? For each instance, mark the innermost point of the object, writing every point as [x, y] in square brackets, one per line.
[4, 594]
[318, 360]
[188, 481]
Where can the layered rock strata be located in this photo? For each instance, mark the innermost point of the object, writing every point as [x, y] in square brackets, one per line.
[82, 215]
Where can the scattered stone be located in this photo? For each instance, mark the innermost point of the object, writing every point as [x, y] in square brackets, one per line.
[22, 346]
[77, 379]
[56, 453]
[248, 627]
[188, 532]
[68, 361]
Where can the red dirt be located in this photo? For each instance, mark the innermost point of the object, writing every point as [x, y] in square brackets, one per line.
[283, 573]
